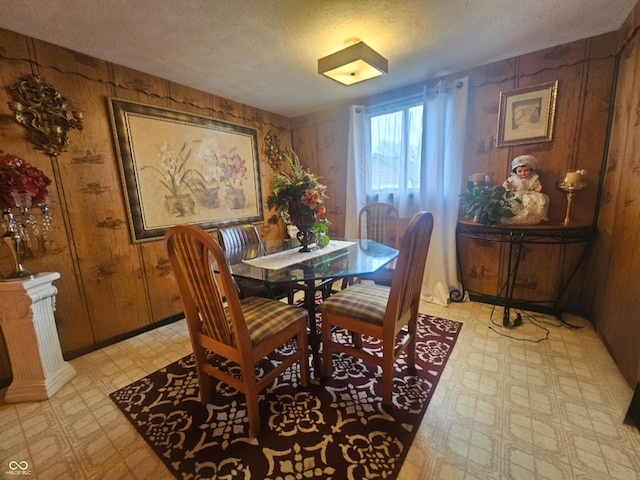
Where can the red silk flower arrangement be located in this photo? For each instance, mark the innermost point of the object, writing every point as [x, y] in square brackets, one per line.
[19, 176]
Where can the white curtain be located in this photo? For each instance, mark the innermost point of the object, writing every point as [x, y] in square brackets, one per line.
[396, 142]
[441, 165]
[356, 171]
[445, 112]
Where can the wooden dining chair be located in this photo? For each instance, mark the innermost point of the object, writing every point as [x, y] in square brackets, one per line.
[242, 331]
[374, 221]
[380, 311]
[235, 237]
[378, 221]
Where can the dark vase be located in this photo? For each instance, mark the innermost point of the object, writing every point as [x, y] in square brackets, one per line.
[304, 219]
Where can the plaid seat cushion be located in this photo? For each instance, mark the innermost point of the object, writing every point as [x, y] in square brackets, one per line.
[363, 302]
[265, 316]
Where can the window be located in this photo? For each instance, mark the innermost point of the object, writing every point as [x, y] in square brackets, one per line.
[393, 148]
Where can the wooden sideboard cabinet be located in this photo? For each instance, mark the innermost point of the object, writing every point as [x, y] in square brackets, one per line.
[525, 266]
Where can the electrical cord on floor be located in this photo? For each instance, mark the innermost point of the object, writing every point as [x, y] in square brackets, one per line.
[570, 326]
[518, 321]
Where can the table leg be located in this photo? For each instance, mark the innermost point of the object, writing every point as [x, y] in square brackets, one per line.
[310, 288]
[314, 338]
[511, 276]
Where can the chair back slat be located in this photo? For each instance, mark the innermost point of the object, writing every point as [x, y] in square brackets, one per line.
[373, 222]
[404, 297]
[194, 257]
[237, 236]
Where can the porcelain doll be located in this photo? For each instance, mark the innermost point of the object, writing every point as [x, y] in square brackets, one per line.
[525, 183]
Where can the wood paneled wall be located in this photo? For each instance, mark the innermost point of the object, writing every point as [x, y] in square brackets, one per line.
[585, 72]
[109, 286]
[613, 280]
[606, 289]
[321, 142]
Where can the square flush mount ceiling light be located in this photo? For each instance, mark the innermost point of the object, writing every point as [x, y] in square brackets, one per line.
[356, 63]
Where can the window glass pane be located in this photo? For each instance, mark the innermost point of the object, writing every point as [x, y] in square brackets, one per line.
[386, 150]
[394, 148]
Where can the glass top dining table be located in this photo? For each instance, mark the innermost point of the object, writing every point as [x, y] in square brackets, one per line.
[281, 262]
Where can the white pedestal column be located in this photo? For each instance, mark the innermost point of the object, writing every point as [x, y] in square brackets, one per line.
[28, 325]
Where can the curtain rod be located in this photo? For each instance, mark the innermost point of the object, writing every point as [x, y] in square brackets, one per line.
[458, 84]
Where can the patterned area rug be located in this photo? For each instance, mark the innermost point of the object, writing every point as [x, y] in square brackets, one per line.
[334, 430]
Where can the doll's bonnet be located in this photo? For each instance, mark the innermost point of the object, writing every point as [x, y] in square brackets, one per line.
[524, 161]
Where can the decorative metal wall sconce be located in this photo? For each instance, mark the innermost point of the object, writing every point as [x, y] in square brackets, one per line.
[45, 114]
[275, 156]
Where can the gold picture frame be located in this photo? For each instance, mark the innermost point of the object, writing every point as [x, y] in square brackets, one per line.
[178, 168]
[526, 115]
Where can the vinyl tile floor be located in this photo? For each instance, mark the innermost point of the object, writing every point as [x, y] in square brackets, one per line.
[539, 401]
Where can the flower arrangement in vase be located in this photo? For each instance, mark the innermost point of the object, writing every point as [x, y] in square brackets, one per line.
[298, 197]
[174, 175]
[198, 169]
[235, 172]
[21, 186]
[19, 176]
[216, 169]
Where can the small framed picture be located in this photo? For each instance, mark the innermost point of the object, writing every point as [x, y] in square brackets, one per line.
[526, 115]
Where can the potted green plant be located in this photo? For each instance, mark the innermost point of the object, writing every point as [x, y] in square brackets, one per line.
[321, 232]
[489, 204]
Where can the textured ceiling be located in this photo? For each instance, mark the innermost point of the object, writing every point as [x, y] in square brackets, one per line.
[264, 52]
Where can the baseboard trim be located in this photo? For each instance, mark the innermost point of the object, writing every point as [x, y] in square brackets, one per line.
[633, 414]
[5, 382]
[105, 343]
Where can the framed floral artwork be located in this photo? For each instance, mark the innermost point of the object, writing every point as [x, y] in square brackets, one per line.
[526, 115]
[178, 167]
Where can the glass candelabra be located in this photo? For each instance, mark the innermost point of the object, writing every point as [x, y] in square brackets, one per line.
[22, 228]
[572, 182]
